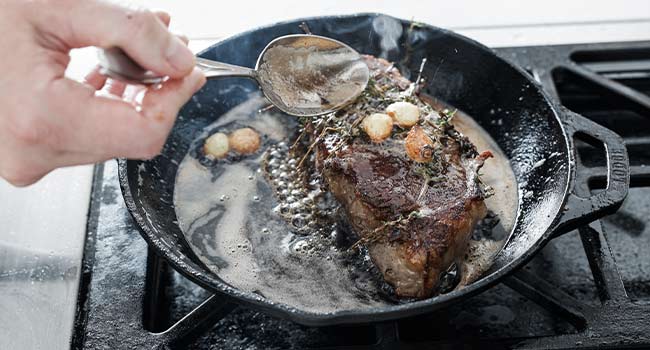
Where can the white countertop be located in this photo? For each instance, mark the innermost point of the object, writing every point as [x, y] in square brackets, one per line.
[44, 225]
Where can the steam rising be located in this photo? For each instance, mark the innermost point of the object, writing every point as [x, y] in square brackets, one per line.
[389, 30]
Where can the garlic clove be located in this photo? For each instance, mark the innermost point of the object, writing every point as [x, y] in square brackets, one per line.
[245, 141]
[378, 126]
[419, 146]
[405, 114]
[217, 145]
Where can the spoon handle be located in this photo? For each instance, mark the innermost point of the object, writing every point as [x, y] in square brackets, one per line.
[117, 64]
[215, 69]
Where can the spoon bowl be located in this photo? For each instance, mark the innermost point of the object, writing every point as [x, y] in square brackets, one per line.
[301, 74]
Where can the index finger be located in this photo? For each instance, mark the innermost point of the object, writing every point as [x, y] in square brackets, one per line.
[142, 34]
[114, 128]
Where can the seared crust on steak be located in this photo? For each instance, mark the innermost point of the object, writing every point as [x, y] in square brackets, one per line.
[375, 186]
[414, 218]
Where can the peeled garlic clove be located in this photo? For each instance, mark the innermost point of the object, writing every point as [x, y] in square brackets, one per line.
[419, 146]
[378, 126]
[216, 145]
[405, 114]
[245, 141]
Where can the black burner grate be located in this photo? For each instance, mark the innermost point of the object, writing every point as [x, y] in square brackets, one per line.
[571, 295]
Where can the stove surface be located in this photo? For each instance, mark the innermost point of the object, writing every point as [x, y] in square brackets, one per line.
[589, 287]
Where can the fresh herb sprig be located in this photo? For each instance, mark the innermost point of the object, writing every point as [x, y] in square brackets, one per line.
[379, 233]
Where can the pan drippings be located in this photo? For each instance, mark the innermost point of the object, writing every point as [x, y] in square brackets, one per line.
[264, 227]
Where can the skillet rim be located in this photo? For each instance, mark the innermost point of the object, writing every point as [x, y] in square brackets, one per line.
[376, 314]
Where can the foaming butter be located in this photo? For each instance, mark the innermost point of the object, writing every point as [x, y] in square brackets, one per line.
[252, 221]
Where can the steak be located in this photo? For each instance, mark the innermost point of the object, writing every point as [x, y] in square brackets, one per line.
[415, 218]
[376, 186]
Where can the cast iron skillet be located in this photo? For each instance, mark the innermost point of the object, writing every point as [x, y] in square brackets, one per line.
[535, 133]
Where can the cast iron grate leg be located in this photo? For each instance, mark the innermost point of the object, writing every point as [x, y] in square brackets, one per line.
[618, 322]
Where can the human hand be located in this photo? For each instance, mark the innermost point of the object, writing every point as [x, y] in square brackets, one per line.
[49, 121]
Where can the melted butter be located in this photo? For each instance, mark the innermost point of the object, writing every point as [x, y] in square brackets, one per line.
[496, 171]
[229, 218]
[229, 215]
[498, 174]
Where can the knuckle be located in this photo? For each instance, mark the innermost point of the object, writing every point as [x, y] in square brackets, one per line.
[140, 22]
[19, 175]
[27, 131]
[27, 135]
[19, 181]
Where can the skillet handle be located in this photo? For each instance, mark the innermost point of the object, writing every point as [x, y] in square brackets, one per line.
[581, 206]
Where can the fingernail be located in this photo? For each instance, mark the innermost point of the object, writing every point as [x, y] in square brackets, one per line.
[163, 16]
[179, 56]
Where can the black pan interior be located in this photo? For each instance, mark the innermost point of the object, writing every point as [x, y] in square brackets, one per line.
[458, 71]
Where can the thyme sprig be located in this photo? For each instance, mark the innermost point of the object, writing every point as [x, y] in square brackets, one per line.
[341, 128]
[379, 233]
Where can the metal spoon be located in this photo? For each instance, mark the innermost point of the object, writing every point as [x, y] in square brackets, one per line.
[302, 75]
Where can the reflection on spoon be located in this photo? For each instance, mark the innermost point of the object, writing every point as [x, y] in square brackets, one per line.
[302, 75]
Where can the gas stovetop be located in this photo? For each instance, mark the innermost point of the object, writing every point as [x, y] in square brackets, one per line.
[589, 287]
